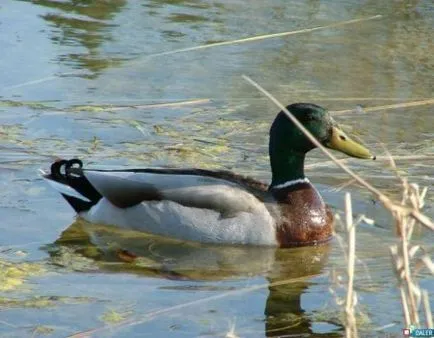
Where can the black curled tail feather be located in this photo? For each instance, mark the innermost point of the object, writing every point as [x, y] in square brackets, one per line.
[70, 173]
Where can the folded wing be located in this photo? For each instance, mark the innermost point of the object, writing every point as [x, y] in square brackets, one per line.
[129, 188]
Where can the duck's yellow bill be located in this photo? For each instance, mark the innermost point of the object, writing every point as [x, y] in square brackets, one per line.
[341, 142]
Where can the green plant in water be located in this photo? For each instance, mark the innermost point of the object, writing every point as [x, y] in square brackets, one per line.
[112, 316]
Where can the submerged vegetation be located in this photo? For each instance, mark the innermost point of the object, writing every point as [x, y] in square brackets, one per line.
[13, 276]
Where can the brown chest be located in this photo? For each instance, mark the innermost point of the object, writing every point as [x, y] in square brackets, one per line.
[304, 218]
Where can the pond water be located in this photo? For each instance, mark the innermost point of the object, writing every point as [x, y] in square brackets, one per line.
[96, 80]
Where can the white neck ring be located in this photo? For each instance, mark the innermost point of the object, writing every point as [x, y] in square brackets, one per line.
[291, 183]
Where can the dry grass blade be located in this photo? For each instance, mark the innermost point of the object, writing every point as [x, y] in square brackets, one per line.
[389, 106]
[410, 286]
[349, 251]
[152, 314]
[320, 98]
[379, 158]
[402, 254]
[8, 324]
[342, 186]
[211, 45]
[163, 104]
[41, 80]
[405, 307]
[267, 36]
[428, 264]
[427, 307]
[350, 323]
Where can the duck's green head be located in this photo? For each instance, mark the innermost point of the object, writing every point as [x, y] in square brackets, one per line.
[288, 144]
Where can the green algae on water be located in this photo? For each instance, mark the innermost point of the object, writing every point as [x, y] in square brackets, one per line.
[14, 275]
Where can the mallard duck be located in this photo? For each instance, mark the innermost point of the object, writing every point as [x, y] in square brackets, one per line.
[217, 206]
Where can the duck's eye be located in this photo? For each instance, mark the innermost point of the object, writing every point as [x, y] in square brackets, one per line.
[342, 137]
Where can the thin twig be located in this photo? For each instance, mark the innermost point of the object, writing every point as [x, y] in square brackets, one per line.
[414, 318]
[162, 105]
[320, 98]
[41, 80]
[351, 324]
[379, 158]
[152, 314]
[267, 36]
[427, 307]
[211, 45]
[389, 106]
[405, 307]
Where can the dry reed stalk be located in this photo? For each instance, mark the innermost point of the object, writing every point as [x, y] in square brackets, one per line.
[379, 158]
[8, 324]
[427, 308]
[389, 106]
[41, 80]
[342, 186]
[162, 105]
[378, 177]
[153, 314]
[351, 299]
[349, 252]
[267, 36]
[211, 45]
[404, 252]
[320, 98]
[407, 213]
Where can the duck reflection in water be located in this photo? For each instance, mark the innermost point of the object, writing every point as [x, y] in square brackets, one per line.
[287, 271]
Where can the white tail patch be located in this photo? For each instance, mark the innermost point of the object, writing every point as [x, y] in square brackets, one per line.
[66, 190]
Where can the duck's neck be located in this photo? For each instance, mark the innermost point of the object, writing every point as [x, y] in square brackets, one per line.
[287, 168]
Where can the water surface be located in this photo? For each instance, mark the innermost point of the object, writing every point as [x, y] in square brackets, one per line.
[78, 81]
